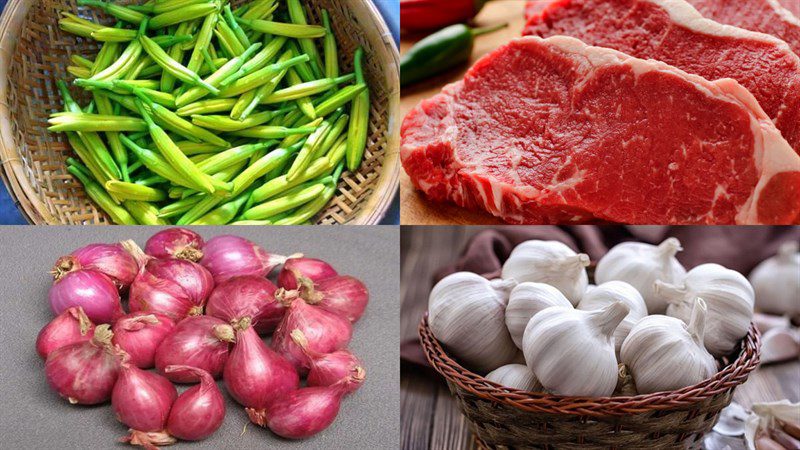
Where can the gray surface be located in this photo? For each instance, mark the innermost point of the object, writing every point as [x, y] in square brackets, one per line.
[32, 416]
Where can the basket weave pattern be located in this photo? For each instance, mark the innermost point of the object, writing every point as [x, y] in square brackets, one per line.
[33, 158]
[509, 418]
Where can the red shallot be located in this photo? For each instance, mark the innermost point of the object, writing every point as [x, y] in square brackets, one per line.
[199, 411]
[142, 400]
[328, 369]
[325, 331]
[69, 327]
[200, 341]
[140, 333]
[247, 296]
[228, 256]
[301, 413]
[174, 287]
[342, 294]
[311, 268]
[95, 292]
[254, 374]
[85, 372]
[113, 260]
[178, 243]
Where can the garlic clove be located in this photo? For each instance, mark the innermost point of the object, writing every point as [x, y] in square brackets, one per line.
[610, 292]
[549, 262]
[664, 354]
[466, 313]
[779, 345]
[639, 265]
[571, 352]
[516, 376]
[525, 301]
[729, 297]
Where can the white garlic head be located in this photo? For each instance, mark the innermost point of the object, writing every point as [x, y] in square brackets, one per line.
[516, 376]
[664, 353]
[525, 301]
[466, 313]
[729, 297]
[571, 352]
[776, 282]
[639, 265]
[549, 262]
[615, 291]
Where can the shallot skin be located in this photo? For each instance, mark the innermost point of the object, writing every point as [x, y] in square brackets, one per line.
[70, 327]
[325, 332]
[174, 287]
[304, 412]
[247, 296]
[142, 399]
[343, 295]
[338, 367]
[254, 374]
[314, 269]
[84, 372]
[95, 292]
[178, 243]
[139, 334]
[200, 341]
[227, 256]
[199, 411]
[113, 260]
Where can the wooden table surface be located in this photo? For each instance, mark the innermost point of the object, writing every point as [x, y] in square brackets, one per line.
[414, 208]
[429, 417]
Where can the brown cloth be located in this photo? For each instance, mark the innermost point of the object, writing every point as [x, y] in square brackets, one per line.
[737, 247]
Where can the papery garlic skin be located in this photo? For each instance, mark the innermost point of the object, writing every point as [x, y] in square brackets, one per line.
[640, 265]
[516, 376]
[525, 301]
[610, 292]
[776, 282]
[571, 352]
[466, 313]
[664, 353]
[549, 262]
[729, 297]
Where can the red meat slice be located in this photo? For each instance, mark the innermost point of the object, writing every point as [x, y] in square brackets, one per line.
[766, 16]
[555, 131]
[792, 5]
[675, 33]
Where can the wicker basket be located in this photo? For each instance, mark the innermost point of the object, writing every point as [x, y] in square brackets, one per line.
[509, 418]
[34, 53]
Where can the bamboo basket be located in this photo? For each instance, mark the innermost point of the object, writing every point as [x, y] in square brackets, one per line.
[506, 418]
[34, 53]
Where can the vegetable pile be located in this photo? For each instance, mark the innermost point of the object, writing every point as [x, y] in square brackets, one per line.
[97, 352]
[206, 114]
[647, 326]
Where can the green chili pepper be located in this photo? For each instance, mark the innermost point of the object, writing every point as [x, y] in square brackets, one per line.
[440, 51]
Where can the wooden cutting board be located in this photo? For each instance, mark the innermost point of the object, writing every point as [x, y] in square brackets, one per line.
[414, 208]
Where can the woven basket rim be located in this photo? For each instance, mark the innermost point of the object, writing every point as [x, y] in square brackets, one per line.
[372, 209]
[729, 377]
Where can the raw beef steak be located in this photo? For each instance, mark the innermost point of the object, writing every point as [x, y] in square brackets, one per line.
[555, 131]
[766, 16]
[792, 5]
[675, 33]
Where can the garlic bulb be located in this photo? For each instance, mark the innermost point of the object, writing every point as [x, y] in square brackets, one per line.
[610, 292]
[776, 282]
[466, 313]
[571, 352]
[664, 354]
[639, 265]
[526, 300]
[549, 262]
[728, 295]
[516, 376]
